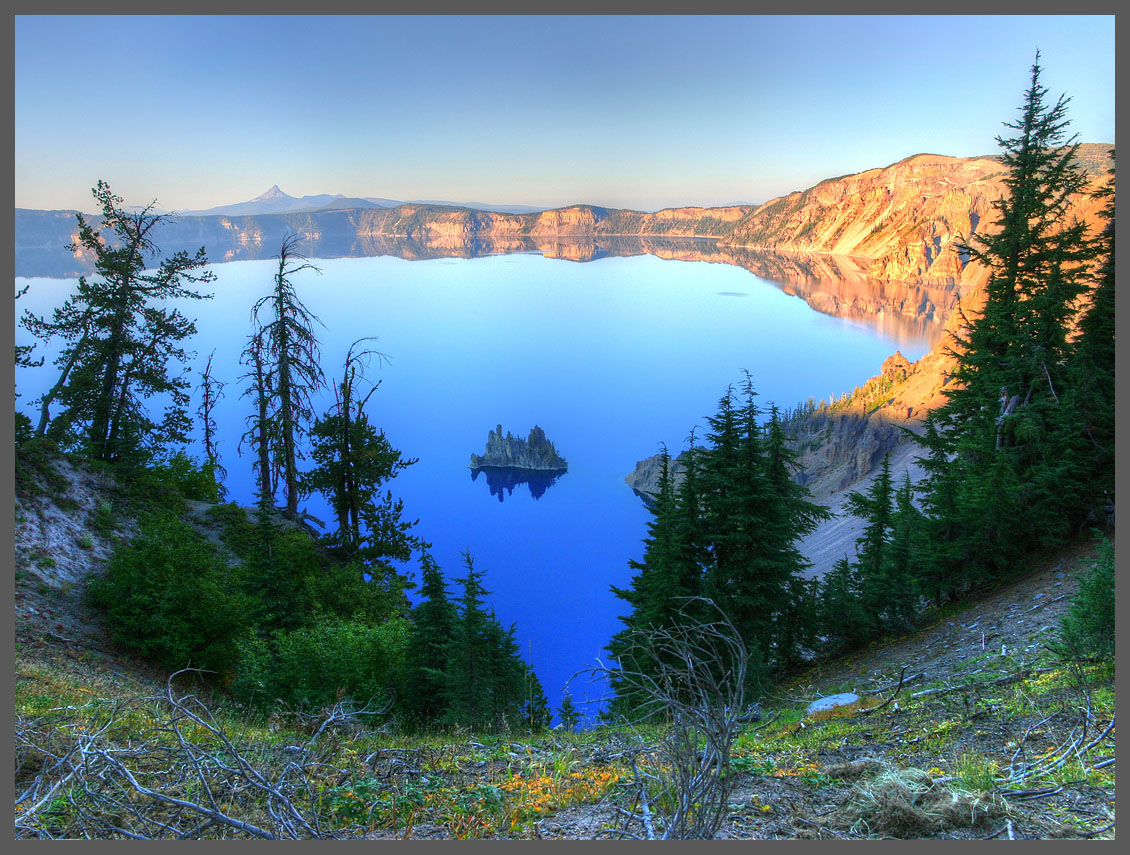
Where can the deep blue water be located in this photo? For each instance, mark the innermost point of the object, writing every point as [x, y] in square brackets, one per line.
[610, 357]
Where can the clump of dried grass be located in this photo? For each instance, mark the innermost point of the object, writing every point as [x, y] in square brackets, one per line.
[908, 803]
[853, 770]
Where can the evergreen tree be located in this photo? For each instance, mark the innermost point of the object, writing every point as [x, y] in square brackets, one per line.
[1004, 457]
[290, 352]
[906, 524]
[840, 614]
[262, 431]
[738, 522]
[753, 515]
[353, 460]
[507, 677]
[211, 390]
[567, 713]
[796, 516]
[873, 544]
[272, 580]
[122, 340]
[653, 586]
[1091, 363]
[534, 714]
[433, 626]
[670, 570]
[484, 679]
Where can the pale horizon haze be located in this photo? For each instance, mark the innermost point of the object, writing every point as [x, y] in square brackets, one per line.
[641, 112]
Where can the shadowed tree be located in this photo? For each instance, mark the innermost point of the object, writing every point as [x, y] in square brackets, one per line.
[291, 357]
[353, 460]
[261, 426]
[211, 390]
[121, 337]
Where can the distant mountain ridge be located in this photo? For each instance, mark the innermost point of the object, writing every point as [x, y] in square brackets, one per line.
[899, 223]
[276, 201]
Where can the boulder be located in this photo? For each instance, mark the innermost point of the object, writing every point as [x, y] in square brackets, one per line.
[831, 702]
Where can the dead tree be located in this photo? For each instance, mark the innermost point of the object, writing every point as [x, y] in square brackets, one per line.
[694, 688]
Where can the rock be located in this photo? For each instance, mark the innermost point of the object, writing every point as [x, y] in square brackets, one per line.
[536, 452]
[831, 702]
[896, 367]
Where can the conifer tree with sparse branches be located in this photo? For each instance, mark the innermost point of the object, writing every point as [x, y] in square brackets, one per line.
[290, 356]
[123, 342]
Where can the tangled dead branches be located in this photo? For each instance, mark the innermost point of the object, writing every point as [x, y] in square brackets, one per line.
[164, 768]
[690, 677]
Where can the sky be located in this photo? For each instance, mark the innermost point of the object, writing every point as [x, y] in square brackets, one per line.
[631, 112]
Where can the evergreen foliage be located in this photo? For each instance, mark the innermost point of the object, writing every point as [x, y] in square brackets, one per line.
[463, 668]
[211, 390]
[1006, 467]
[352, 462]
[313, 665]
[842, 619]
[168, 595]
[568, 714]
[1087, 630]
[122, 342]
[433, 626]
[1091, 396]
[286, 356]
[728, 533]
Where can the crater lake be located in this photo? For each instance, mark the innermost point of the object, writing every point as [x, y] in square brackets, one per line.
[611, 357]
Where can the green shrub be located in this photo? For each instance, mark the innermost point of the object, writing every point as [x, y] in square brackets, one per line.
[192, 480]
[170, 596]
[310, 666]
[102, 519]
[34, 464]
[24, 432]
[1087, 630]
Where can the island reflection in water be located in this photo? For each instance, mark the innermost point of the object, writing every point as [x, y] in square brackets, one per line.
[501, 480]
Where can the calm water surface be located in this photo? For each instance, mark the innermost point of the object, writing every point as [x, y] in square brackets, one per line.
[610, 357]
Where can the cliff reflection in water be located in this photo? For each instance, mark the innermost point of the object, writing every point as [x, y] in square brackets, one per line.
[502, 480]
[834, 285]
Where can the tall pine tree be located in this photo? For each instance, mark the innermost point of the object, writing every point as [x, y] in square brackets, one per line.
[123, 342]
[433, 627]
[1003, 453]
[288, 349]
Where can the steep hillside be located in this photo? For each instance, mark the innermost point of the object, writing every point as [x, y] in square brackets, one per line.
[967, 729]
[904, 220]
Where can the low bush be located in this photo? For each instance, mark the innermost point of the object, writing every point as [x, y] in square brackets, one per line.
[192, 480]
[169, 596]
[314, 665]
[1087, 630]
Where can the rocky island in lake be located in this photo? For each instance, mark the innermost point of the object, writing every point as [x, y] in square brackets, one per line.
[510, 461]
[513, 452]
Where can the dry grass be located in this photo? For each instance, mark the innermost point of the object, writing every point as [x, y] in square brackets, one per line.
[909, 803]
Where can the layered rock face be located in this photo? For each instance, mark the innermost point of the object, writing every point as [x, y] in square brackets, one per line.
[535, 452]
[904, 221]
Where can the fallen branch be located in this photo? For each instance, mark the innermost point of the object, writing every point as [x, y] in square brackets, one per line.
[887, 702]
[901, 682]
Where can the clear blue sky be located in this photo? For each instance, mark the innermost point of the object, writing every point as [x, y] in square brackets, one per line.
[639, 112]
